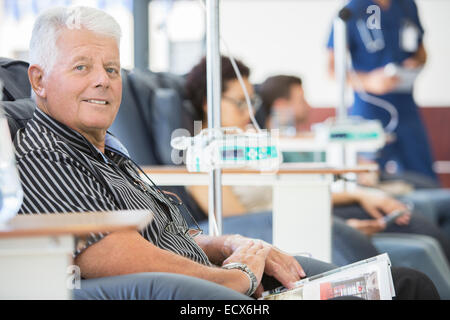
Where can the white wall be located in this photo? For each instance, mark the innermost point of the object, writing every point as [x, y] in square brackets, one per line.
[433, 85]
[274, 36]
[15, 35]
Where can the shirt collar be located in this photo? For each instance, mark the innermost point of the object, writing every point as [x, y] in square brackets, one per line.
[76, 139]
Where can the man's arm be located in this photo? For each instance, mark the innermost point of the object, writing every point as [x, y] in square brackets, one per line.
[344, 198]
[128, 252]
[377, 205]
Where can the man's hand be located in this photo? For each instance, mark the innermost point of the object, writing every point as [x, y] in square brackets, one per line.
[283, 267]
[378, 206]
[253, 254]
[368, 227]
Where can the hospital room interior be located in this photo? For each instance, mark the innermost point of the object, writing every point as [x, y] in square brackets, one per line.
[320, 128]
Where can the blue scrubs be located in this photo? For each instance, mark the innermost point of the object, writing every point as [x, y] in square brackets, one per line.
[411, 149]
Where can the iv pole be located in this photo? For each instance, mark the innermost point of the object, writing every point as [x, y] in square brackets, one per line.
[214, 91]
[340, 69]
[340, 61]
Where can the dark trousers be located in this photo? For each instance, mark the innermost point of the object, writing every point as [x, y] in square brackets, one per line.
[417, 225]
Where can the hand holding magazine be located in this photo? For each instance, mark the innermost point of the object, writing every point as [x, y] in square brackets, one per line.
[369, 279]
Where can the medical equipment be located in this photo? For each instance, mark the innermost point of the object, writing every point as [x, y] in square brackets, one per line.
[230, 148]
[352, 129]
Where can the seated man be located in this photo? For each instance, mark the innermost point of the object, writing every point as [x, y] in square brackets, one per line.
[69, 163]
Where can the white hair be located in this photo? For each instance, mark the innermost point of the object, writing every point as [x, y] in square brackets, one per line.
[50, 24]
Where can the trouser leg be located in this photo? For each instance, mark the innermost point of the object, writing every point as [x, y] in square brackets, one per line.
[410, 284]
[153, 286]
[350, 245]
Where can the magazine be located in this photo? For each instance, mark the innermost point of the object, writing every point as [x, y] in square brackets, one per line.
[369, 279]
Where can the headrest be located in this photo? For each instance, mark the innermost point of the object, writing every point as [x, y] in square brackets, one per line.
[157, 109]
[18, 113]
[170, 110]
[14, 75]
[168, 115]
[129, 127]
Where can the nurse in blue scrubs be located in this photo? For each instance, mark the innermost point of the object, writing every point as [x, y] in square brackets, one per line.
[381, 32]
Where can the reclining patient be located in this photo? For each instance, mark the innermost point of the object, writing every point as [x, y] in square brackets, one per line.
[69, 163]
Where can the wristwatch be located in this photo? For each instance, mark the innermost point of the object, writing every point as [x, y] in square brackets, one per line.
[251, 276]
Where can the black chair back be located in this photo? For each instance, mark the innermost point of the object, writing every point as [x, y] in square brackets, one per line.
[14, 76]
[16, 103]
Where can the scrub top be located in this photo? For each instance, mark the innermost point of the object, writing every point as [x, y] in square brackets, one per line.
[411, 150]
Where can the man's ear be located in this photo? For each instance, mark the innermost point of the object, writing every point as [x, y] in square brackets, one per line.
[36, 77]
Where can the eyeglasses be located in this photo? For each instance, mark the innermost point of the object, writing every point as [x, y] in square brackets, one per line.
[171, 225]
[242, 104]
[174, 228]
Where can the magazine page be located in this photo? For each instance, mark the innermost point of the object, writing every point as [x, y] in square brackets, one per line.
[369, 279]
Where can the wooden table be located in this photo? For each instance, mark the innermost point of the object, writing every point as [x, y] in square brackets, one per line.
[36, 250]
[301, 200]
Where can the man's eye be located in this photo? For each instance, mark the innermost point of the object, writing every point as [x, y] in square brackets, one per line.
[111, 70]
[80, 68]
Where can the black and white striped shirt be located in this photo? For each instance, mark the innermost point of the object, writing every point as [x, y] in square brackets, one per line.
[62, 172]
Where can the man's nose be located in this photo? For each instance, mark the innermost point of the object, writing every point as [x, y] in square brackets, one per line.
[101, 78]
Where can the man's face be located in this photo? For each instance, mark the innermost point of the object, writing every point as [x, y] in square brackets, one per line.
[298, 102]
[84, 88]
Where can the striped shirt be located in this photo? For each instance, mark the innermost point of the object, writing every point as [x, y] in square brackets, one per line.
[62, 172]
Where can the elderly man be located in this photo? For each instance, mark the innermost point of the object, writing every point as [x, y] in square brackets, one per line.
[69, 163]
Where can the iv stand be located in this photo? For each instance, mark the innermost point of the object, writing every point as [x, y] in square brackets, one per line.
[214, 91]
[340, 61]
[340, 69]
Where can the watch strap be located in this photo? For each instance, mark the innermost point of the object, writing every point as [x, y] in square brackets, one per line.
[251, 276]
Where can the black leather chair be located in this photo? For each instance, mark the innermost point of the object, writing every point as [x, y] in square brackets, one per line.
[16, 103]
[18, 113]
[14, 75]
[145, 118]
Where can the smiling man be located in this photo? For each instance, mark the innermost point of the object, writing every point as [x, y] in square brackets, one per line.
[83, 87]
[68, 162]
